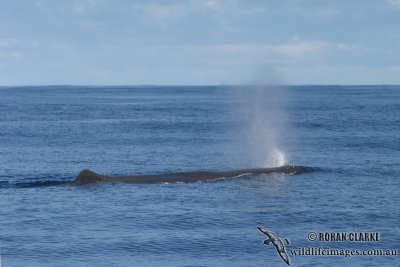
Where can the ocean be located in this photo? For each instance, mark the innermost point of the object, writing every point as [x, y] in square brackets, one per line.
[347, 138]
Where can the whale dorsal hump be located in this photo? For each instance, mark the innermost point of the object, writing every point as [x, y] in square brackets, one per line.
[87, 177]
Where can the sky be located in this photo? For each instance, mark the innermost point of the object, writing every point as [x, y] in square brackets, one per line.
[199, 42]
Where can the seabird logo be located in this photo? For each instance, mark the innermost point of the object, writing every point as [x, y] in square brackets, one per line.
[277, 242]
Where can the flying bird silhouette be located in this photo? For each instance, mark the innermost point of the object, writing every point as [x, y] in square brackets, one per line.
[277, 242]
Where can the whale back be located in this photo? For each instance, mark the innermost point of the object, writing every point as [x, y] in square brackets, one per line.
[88, 177]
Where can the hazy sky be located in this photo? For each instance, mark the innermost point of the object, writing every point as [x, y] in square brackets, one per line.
[124, 42]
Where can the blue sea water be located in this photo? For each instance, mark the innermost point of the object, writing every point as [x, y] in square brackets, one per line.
[347, 136]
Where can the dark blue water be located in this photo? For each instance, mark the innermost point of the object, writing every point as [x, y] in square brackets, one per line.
[348, 137]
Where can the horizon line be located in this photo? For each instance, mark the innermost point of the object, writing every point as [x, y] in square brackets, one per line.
[188, 85]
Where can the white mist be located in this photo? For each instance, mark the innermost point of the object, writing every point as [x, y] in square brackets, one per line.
[260, 113]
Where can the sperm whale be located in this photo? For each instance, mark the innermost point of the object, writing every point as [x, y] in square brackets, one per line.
[88, 177]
